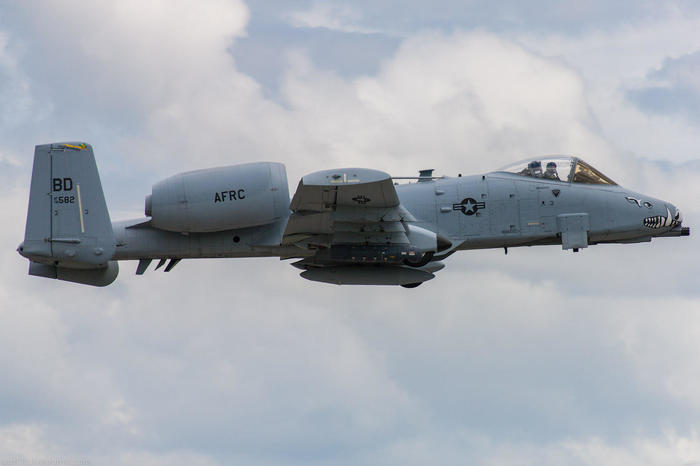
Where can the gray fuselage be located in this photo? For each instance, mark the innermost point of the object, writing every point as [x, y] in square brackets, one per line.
[498, 209]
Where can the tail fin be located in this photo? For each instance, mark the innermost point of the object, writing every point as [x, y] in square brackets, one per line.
[68, 225]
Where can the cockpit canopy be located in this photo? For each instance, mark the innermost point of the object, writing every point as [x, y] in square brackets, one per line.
[559, 168]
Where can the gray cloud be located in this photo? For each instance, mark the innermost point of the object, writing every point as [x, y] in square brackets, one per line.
[355, 39]
[674, 88]
[535, 357]
[264, 52]
[407, 17]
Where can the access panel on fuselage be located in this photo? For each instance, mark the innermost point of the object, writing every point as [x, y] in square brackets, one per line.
[502, 204]
[540, 202]
[529, 203]
[554, 198]
[446, 196]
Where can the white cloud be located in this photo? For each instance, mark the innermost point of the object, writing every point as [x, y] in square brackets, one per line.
[535, 357]
[15, 100]
[23, 441]
[329, 15]
[467, 101]
[668, 449]
[463, 102]
[142, 53]
[614, 61]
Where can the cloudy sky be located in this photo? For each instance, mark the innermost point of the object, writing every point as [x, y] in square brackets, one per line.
[539, 357]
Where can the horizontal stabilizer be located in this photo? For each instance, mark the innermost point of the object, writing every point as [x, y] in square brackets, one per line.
[95, 277]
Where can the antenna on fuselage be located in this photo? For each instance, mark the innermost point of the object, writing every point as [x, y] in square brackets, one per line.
[423, 176]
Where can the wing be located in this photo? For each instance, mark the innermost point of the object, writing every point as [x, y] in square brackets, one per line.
[346, 206]
[353, 229]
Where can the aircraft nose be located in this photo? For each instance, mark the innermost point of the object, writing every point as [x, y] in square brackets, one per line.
[677, 227]
[679, 216]
[676, 223]
[667, 217]
[674, 217]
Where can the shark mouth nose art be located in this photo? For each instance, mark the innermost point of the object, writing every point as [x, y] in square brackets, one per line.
[660, 221]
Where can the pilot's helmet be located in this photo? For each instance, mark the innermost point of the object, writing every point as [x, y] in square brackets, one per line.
[551, 166]
[534, 165]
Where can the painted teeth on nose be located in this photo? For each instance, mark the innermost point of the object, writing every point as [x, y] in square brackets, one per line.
[657, 221]
[660, 221]
[669, 218]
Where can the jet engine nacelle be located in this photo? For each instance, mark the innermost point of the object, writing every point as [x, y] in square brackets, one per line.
[218, 199]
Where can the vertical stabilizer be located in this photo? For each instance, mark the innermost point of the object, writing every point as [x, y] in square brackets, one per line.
[68, 225]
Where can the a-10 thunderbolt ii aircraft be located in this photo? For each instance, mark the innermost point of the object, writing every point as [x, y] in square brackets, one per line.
[352, 226]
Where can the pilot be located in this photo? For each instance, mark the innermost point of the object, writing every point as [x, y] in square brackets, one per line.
[533, 168]
[551, 172]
